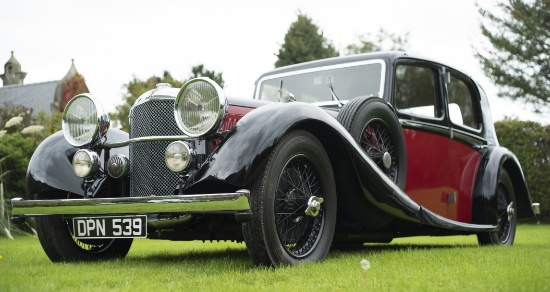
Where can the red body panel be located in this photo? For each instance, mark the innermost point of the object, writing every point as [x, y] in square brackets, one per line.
[234, 114]
[441, 174]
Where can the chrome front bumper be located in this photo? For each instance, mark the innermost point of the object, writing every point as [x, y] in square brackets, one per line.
[204, 203]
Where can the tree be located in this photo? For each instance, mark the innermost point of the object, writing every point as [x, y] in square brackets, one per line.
[199, 71]
[530, 141]
[518, 59]
[382, 41]
[304, 42]
[136, 87]
[9, 110]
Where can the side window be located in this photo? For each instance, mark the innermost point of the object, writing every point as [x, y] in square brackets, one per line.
[415, 91]
[461, 103]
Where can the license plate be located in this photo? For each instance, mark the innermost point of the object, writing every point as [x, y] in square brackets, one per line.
[110, 227]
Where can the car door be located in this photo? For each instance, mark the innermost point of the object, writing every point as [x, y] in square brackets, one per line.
[466, 140]
[439, 109]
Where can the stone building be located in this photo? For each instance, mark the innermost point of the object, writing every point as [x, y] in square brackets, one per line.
[49, 96]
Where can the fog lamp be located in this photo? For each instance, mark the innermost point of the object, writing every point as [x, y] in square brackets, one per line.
[118, 166]
[178, 156]
[85, 163]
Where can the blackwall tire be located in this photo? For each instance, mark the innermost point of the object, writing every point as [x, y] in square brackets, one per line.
[505, 196]
[281, 233]
[55, 236]
[376, 128]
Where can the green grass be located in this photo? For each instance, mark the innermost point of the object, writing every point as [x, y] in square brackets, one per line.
[454, 263]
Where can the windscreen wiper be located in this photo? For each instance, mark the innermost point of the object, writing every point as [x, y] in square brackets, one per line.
[334, 97]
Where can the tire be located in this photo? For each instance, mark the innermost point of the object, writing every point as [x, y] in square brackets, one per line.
[376, 128]
[505, 196]
[55, 236]
[280, 233]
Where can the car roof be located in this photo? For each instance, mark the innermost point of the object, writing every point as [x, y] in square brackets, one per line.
[384, 55]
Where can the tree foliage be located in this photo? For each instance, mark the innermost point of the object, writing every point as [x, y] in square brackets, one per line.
[9, 110]
[304, 41]
[518, 59]
[136, 87]
[17, 150]
[530, 141]
[382, 41]
[18, 142]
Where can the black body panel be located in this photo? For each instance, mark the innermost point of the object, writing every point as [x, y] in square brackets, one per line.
[50, 168]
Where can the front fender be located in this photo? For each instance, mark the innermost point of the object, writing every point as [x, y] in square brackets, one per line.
[50, 169]
[484, 206]
[244, 152]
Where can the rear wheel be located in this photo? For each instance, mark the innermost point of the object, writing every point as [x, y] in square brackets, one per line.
[294, 204]
[507, 217]
[55, 234]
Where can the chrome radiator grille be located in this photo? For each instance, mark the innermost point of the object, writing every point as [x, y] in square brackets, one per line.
[149, 175]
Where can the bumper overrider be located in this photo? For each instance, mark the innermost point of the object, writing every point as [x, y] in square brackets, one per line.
[236, 203]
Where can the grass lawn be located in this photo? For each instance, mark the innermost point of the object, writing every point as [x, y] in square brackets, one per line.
[453, 263]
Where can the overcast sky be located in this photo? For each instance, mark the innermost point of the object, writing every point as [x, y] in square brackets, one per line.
[112, 41]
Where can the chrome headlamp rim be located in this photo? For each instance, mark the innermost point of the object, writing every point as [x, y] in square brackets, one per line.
[188, 151]
[102, 121]
[222, 109]
[94, 160]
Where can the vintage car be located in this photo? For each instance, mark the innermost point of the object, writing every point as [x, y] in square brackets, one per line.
[330, 153]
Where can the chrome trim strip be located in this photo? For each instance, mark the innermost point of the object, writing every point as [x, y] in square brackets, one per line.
[470, 139]
[226, 202]
[145, 139]
[434, 128]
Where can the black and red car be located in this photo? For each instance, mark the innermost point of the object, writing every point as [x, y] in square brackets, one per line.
[336, 152]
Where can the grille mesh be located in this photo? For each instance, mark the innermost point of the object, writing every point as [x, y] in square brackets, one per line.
[149, 175]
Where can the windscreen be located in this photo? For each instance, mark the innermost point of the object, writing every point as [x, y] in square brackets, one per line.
[315, 86]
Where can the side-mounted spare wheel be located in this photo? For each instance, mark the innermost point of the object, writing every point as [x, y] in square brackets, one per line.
[56, 237]
[507, 215]
[376, 128]
[294, 204]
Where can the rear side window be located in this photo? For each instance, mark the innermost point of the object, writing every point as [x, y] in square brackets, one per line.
[461, 103]
[415, 91]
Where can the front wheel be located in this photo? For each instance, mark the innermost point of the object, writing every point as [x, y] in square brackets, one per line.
[507, 217]
[56, 237]
[294, 204]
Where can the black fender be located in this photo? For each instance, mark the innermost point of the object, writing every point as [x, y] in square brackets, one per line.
[50, 169]
[484, 204]
[243, 154]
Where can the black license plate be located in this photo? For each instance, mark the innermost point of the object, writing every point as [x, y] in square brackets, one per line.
[110, 227]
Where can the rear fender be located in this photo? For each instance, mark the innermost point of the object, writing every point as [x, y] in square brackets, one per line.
[484, 206]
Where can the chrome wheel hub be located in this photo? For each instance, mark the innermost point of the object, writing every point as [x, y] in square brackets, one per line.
[314, 206]
[510, 211]
[386, 160]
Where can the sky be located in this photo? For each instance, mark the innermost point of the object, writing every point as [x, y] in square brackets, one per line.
[112, 42]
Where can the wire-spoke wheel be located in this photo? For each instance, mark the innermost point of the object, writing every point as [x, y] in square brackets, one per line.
[55, 234]
[294, 204]
[298, 232]
[376, 140]
[376, 129]
[506, 211]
